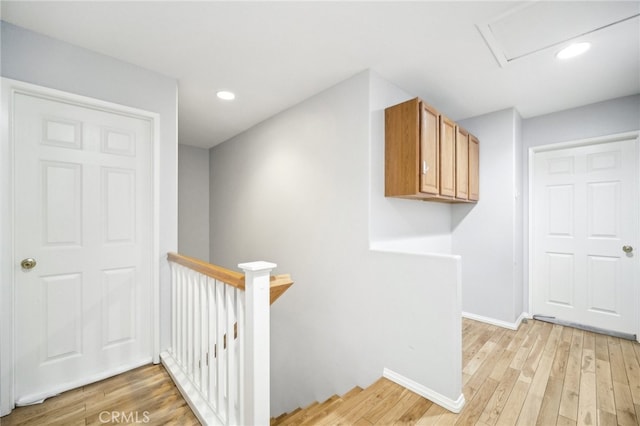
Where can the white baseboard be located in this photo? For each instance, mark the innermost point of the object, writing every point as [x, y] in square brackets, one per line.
[496, 322]
[454, 406]
[200, 407]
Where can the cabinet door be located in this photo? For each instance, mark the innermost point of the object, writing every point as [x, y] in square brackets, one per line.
[474, 168]
[447, 157]
[429, 176]
[462, 164]
[402, 149]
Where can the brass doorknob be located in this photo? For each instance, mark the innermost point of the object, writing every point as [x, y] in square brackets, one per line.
[28, 263]
[627, 249]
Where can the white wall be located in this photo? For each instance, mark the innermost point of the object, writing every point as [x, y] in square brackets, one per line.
[295, 190]
[193, 201]
[36, 59]
[487, 234]
[398, 224]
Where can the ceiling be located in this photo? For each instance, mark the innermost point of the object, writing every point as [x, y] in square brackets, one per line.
[465, 58]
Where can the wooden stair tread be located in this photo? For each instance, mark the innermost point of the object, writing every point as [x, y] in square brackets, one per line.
[323, 410]
[356, 390]
[278, 420]
[295, 418]
[384, 402]
[375, 401]
[353, 402]
[329, 408]
[315, 411]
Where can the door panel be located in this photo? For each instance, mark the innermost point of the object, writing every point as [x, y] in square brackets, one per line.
[560, 279]
[585, 208]
[118, 306]
[447, 157]
[474, 168]
[83, 210]
[603, 279]
[61, 203]
[560, 206]
[62, 326]
[429, 143]
[462, 164]
[118, 189]
[603, 202]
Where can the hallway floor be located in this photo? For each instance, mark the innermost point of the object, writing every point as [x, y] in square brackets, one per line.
[145, 395]
[542, 374]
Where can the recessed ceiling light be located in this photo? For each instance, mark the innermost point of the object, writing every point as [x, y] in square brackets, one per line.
[572, 50]
[226, 95]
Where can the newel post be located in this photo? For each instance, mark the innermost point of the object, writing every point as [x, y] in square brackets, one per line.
[257, 351]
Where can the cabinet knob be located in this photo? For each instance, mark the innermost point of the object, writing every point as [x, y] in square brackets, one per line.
[425, 168]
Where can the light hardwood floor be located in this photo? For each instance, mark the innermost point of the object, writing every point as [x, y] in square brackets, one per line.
[546, 374]
[542, 374]
[142, 396]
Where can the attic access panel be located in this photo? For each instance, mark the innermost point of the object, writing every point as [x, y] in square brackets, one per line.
[534, 26]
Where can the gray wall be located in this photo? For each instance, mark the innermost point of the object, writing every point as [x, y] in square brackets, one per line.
[600, 119]
[487, 234]
[295, 190]
[193, 201]
[492, 237]
[37, 59]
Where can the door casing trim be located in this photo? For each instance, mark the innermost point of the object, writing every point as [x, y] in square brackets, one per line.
[10, 88]
[617, 137]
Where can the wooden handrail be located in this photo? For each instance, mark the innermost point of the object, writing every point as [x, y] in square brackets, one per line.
[278, 285]
[233, 278]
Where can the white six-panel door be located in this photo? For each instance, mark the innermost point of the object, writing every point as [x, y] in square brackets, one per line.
[585, 210]
[83, 211]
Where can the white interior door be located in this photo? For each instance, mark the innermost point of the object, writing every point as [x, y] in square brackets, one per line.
[83, 211]
[585, 211]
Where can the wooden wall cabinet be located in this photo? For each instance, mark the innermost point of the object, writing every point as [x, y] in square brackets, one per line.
[428, 156]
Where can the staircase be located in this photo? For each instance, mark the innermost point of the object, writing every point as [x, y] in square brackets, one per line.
[384, 403]
[219, 353]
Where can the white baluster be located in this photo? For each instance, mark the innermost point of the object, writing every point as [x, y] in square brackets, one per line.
[174, 305]
[240, 315]
[213, 360]
[232, 373]
[196, 331]
[190, 326]
[204, 335]
[220, 360]
[182, 329]
[185, 313]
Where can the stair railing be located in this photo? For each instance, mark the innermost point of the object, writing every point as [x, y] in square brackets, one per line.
[219, 354]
